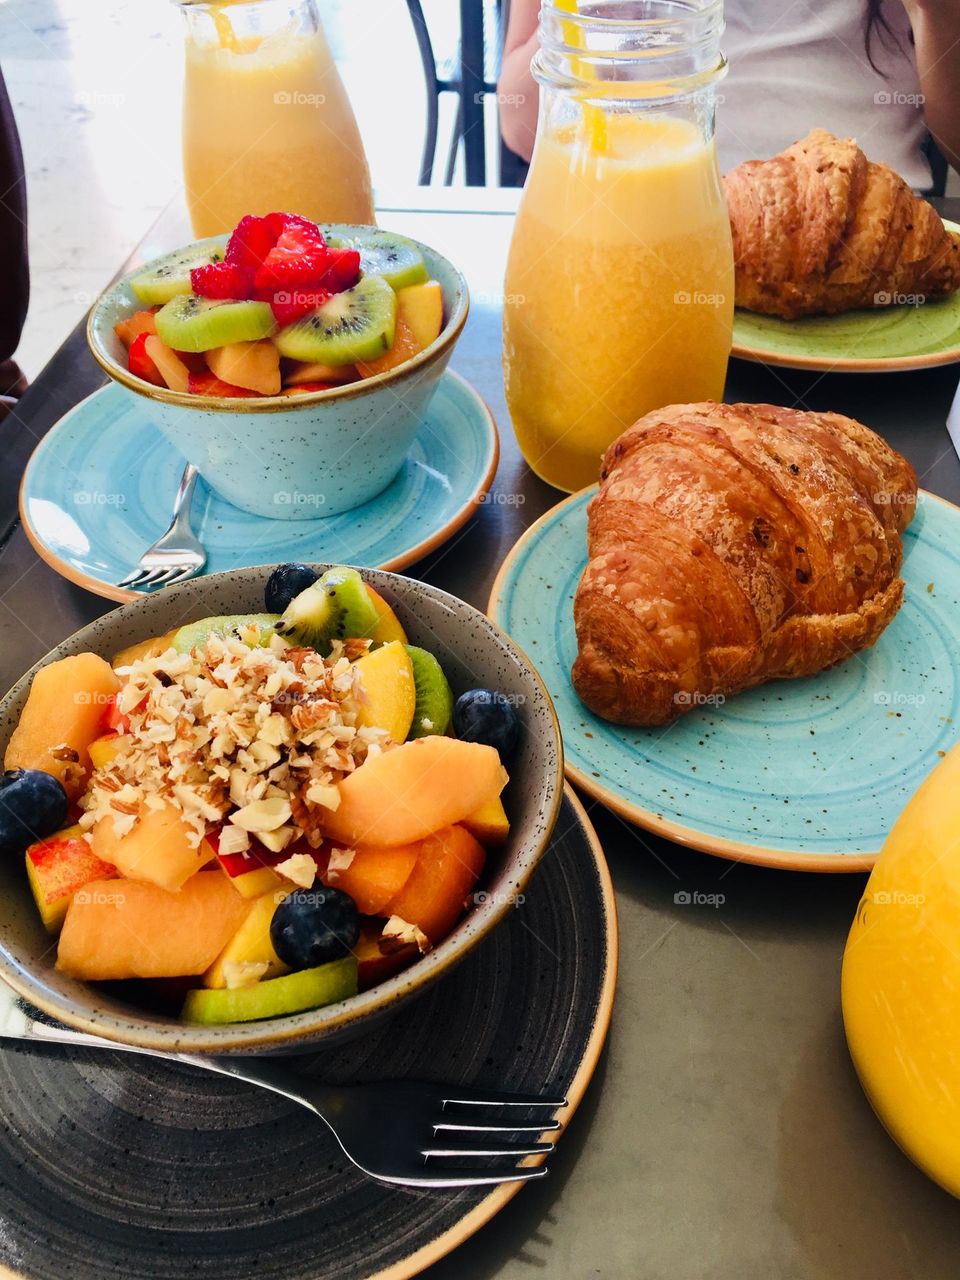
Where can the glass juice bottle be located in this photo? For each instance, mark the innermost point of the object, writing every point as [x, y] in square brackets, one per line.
[266, 120]
[619, 285]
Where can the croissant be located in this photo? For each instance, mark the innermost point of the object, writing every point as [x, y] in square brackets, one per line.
[733, 544]
[820, 229]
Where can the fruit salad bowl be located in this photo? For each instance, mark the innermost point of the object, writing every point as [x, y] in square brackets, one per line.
[334, 432]
[473, 653]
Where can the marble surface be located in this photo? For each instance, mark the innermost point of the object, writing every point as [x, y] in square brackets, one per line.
[96, 91]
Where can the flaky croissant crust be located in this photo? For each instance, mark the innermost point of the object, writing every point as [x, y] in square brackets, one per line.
[820, 229]
[733, 544]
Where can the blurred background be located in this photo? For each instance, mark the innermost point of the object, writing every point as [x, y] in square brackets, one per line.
[95, 86]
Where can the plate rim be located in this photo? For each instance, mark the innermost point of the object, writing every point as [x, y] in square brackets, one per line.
[719, 846]
[852, 364]
[108, 591]
[472, 1221]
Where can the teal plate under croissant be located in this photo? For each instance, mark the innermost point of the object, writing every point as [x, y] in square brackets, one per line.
[100, 485]
[892, 339]
[808, 774]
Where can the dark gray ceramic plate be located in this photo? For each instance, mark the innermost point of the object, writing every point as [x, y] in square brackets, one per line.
[114, 1167]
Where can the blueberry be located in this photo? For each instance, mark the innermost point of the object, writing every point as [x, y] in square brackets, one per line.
[285, 584]
[483, 715]
[33, 805]
[313, 926]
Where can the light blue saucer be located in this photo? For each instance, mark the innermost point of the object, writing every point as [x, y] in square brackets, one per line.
[809, 774]
[100, 486]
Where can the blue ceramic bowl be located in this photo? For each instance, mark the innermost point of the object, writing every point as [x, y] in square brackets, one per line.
[287, 458]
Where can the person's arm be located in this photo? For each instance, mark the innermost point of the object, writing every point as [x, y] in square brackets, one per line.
[936, 34]
[517, 89]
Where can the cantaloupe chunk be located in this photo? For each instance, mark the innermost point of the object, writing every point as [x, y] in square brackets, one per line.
[128, 929]
[173, 368]
[63, 714]
[151, 648]
[253, 365]
[131, 328]
[436, 895]
[412, 790]
[405, 347]
[156, 850]
[373, 876]
[301, 371]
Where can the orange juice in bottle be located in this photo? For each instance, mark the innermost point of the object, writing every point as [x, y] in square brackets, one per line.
[266, 120]
[619, 286]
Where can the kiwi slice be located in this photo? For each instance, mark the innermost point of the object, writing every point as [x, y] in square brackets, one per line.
[336, 607]
[382, 253]
[357, 324]
[307, 989]
[434, 709]
[189, 323]
[166, 277]
[254, 629]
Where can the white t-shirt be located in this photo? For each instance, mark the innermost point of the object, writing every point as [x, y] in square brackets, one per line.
[798, 64]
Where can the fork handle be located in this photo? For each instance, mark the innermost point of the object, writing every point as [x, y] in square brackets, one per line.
[264, 1072]
[188, 482]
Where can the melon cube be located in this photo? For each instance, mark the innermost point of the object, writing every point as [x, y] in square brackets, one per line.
[63, 715]
[128, 929]
[437, 893]
[156, 849]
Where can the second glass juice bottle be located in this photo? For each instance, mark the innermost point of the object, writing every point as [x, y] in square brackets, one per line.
[619, 286]
[266, 120]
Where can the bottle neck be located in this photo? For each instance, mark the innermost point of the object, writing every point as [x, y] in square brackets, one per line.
[625, 54]
[245, 24]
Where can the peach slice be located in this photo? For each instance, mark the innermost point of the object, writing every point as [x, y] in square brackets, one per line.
[252, 365]
[385, 690]
[57, 867]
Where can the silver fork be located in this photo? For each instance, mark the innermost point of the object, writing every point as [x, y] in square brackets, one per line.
[177, 554]
[404, 1132]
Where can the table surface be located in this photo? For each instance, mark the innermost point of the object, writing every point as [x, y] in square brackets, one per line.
[725, 1136]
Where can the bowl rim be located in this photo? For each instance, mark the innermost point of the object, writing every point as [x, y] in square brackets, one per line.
[443, 343]
[311, 1027]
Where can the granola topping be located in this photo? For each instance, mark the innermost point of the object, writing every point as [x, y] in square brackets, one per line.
[254, 738]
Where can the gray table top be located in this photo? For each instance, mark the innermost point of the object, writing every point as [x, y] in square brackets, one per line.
[725, 1136]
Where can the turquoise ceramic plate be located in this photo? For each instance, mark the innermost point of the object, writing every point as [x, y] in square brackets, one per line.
[808, 774]
[100, 485]
[890, 339]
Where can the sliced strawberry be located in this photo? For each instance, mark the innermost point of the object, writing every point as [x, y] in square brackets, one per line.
[289, 306]
[221, 280]
[343, 269]
[114, 720]
[279, 222]
[298, 258]
[250, 243]
[208, 384]
[140, 364]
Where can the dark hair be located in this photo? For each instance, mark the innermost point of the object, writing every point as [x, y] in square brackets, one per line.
[877, 27]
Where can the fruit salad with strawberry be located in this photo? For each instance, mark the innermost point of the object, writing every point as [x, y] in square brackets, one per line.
[274, 810]
[286, 309]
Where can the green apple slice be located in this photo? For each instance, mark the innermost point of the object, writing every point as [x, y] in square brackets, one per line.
[293, 993]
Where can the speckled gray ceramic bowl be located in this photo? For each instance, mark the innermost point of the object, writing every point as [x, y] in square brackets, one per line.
[290, 458]
[473, 653]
